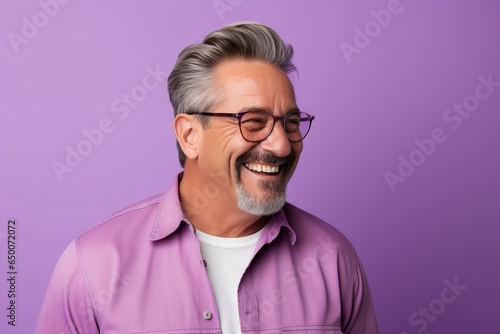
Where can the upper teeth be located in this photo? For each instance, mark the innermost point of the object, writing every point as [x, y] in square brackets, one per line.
[263, 168]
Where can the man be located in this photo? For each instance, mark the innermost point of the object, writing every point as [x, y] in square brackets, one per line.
[220, 251]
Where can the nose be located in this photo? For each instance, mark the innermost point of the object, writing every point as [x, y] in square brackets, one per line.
[277, 142]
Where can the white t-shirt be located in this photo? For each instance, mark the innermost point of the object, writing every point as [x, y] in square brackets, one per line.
[226, 260]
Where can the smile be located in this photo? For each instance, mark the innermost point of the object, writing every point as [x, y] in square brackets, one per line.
[260, 168]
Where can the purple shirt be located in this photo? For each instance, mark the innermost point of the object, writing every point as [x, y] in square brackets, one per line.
[141, 271]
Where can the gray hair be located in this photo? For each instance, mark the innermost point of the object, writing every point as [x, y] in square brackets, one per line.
[190, 84]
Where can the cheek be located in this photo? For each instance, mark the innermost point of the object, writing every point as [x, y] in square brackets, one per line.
[215, 143]
[226, 151]
[240, 149]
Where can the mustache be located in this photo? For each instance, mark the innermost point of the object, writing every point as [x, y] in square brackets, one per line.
[265, 157]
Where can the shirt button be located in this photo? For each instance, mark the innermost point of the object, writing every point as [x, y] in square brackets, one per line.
[207, 315]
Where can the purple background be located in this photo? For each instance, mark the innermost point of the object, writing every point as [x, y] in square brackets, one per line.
[440, 224]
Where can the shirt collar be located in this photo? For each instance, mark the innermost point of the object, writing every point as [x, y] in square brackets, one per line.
[274, 227]
[170, 216]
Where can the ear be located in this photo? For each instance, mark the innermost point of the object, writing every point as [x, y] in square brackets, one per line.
[186, 130]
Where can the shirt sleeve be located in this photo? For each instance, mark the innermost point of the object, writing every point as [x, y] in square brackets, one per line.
[358, 315]
[67, 307]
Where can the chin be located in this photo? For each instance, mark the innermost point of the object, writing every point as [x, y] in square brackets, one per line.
[260, 207]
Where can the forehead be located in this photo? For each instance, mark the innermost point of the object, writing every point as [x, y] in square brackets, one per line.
[254, 84]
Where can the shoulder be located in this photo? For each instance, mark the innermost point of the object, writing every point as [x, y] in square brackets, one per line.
[312, 231]
[140, 206]
[303, 222]
[133, 222]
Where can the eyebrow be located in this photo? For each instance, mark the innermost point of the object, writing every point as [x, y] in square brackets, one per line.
[269, 110]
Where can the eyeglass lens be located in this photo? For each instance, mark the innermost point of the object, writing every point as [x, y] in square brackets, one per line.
[257, 125]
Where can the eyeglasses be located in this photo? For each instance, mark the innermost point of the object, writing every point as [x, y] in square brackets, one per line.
[256, 126]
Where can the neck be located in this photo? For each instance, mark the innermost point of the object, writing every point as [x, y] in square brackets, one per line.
[217, 214]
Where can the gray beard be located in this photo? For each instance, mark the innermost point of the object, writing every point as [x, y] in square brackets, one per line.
[272, 204]
[276, 191]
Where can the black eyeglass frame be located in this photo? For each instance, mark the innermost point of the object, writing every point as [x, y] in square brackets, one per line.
[283, 118]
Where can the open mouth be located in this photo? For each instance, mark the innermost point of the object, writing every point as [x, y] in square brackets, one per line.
[261, 168]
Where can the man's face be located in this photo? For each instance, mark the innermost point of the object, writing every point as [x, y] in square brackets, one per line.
[258, 172]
